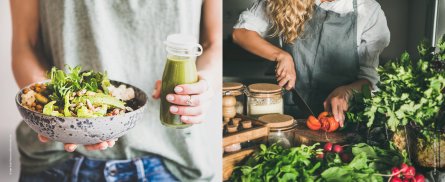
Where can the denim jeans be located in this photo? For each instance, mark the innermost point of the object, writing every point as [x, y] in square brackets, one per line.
[84, 169]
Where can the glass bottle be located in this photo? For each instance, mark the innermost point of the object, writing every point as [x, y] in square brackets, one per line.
[180, 68]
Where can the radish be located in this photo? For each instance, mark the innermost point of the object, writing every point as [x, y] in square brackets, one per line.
[320, 156]
[395, 172]
[396, 179]
[410, 172]
[338, 149]
[403, 167]
[328, 147]
[419, 178]
[345, 157]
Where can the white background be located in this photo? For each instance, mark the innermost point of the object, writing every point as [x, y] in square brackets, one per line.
[8, 111]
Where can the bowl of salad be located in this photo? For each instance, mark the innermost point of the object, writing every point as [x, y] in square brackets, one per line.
[81, 107]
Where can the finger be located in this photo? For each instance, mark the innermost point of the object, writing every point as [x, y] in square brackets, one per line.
[290, 84]
[98, 146]
[283, 82]
[111, 142]
[185, 100]
[186, 110]
[42, 138]
[327, 105]
[341, 115]
[157, 90]
[283, 76]
[194, 88]
[280, 70]
[69, 147]
[335, 109]
[193, 119]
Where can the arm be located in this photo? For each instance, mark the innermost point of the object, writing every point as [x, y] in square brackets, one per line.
[27, 61]
[254, 43]
[209, 64]
[193, 100]
[27, 64]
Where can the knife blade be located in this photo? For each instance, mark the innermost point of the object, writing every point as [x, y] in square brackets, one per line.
[301, 103]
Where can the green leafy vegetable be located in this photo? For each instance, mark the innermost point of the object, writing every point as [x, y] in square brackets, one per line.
[409, 91]
[299, 164]
[49, 109]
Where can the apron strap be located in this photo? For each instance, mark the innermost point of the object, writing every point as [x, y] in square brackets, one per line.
[354, 4]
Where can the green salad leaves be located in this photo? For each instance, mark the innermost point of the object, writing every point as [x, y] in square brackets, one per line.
[74, 81]
[80, 94]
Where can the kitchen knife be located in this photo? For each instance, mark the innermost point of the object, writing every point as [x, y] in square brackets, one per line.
[301, 103]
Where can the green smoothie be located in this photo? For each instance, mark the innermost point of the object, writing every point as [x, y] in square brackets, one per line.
[177, 71]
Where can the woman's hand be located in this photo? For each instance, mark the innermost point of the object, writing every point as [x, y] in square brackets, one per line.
[190, 100]
[69, 147]
[285, 70]
[337, 102]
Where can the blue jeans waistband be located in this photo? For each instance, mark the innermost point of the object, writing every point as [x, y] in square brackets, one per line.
[84, 169]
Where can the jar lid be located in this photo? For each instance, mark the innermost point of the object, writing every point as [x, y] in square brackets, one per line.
[183, 45]
[264, 88]
[232, 86]
[277, 120]
[247, 124]
[232, 128]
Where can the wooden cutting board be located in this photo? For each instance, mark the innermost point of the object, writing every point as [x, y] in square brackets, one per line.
[303, 135]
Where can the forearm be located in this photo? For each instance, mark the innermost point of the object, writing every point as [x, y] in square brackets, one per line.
[254, 43]
[209, 64]
[26, 60]
[26, 66]
[358, 85]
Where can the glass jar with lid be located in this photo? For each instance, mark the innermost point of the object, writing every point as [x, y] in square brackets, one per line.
[264, 98]
[233, 99]
[281, 129]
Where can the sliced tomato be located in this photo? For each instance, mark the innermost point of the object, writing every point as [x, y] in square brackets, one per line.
[324, 124]
[323, 115]
[333, 124]
[313, 123]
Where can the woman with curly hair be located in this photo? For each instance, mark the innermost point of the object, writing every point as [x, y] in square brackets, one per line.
[328, 47]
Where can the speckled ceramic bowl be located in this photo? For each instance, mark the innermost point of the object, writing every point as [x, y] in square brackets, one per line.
[84, 130]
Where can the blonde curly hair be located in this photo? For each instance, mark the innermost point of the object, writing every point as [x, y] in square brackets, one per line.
[288, 17]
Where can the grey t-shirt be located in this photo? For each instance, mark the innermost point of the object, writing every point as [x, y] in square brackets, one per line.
[125, 38]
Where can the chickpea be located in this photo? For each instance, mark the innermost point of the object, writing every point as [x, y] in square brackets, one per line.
[33, 104]
[26, 90]
[32, 87]
[38, 106]
[38, 89]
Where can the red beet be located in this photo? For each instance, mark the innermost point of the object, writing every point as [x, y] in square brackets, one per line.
[410, 172]
[395, 171]
[396, 179]
[328, 147]
[345, 158]
[338, 149]
[405, 180]
[419, 178]
[403, 167]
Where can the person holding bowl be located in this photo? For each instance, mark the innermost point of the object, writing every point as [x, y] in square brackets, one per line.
[329, 48]
[125, 38]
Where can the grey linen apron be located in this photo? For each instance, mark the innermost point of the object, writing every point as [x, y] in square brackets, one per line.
[325, 57]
